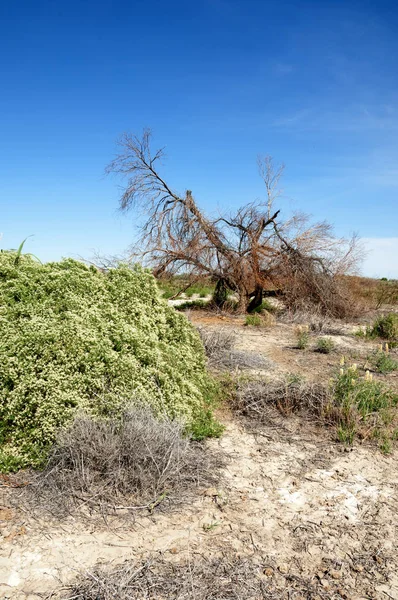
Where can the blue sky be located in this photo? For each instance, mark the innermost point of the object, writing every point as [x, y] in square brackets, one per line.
[314, 84]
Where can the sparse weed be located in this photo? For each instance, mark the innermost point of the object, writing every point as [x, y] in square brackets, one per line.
[346, 434]
[210, 526]
[385, 445]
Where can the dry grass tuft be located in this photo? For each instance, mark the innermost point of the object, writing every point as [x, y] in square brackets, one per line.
[219, 348]
[255, 398]
[135, 462]
[216, 342]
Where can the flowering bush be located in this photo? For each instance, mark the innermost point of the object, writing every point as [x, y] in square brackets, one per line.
[76, 339]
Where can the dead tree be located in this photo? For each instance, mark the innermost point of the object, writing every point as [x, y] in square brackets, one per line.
[243, 252]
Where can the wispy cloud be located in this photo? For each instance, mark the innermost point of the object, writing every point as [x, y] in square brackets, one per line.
[357, 118]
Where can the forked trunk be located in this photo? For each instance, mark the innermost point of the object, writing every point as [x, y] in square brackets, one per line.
[220, 293]
[257, 299]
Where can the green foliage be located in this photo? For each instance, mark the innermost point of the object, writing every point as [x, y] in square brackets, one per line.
[383, 362]
[253, 320]
[171, 287]
[205, 425]
[265, 305]
[75, 339]
[385, 327]
[346, 434]
[325, 345]
[302, 337]
[359, 399]
[193, 304]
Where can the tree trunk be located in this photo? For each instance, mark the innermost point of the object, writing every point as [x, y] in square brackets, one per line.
[220, 293]
[242, 302]
[257, 299]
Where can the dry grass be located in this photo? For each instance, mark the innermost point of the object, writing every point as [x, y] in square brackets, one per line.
[133, 463]
[229, 577]
[225, 578]
[219, 348]
[255, 398]
[355, 406]
[314, 320]
[216, 343]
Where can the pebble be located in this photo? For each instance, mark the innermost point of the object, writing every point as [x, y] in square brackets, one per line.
[283, 568]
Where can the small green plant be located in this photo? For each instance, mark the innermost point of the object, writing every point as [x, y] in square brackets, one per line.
[210, 526]
[362, 393]
[383, 362]
[253, 320]
[363, 405]
[18, 252]
[205, 426]
[346, 434]
[385, 444]
[302, 337]
[325, 345]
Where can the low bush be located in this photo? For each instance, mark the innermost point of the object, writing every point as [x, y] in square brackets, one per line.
[385, 327]
[325, 345]
[134, 461]
[74, 338]
[383, 362]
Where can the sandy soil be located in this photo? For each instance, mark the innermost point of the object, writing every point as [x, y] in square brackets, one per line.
[302, 506]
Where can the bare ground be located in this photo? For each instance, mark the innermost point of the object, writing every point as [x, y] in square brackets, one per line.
[317, 520]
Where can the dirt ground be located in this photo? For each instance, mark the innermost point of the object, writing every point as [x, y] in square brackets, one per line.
[312, 514]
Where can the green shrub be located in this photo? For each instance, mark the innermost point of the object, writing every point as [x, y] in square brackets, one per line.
[383, 362]
[76, 339]
[360, 398]
[325, 345]
[385, 327]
